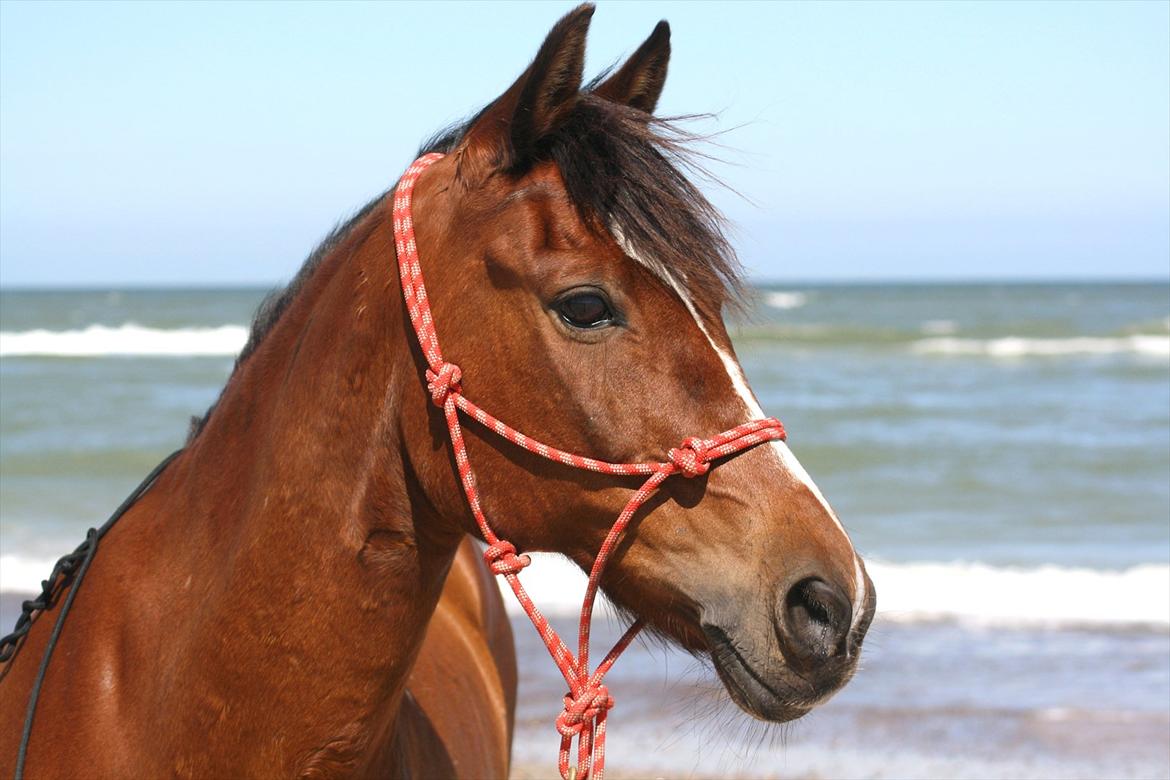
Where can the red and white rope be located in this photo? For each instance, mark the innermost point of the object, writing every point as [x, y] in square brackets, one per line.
[588, 701]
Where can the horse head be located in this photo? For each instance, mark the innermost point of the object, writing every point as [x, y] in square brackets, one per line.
[579, 280]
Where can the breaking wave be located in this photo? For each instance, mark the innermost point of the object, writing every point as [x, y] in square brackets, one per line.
[1039, 596]
[969, 592]
[1017, 347]
[124, 341]
[134, 340]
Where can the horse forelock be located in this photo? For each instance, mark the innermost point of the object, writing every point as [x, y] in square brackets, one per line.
[628, 174]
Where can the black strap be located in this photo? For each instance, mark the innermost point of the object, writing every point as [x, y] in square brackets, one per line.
[76, 562]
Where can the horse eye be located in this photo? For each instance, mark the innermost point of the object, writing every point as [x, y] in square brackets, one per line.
[585, 310]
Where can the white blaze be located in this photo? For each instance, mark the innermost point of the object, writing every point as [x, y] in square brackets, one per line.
[784, 454]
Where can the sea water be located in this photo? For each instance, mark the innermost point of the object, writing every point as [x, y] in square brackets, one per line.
[1000, 454]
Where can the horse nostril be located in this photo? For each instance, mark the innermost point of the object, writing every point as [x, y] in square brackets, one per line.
[815, 621]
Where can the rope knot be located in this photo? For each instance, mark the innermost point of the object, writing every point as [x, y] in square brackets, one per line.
[690, 458]
[590, 702]
[443, 382]
[501, 558]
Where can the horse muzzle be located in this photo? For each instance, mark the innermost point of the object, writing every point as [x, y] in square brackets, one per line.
[809, 650]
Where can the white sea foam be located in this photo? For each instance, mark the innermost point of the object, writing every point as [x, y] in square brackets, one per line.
[1043, 595]
[556, 585]
[24, 575]
[783, 299]
[1018, 347]
[907, 592]
[130, 339]
[970, 592]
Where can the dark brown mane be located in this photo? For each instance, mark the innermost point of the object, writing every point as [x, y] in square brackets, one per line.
[625, 171]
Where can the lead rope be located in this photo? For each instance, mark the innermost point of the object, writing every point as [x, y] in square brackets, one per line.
[588, 702]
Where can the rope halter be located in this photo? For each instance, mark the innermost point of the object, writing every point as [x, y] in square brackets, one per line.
[588, 702]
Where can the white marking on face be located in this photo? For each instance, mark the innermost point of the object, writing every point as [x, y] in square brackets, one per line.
[752, 407]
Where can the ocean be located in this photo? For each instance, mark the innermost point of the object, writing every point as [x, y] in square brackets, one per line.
[999, 452]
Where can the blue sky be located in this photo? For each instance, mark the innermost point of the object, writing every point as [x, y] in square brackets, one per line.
[216, 143]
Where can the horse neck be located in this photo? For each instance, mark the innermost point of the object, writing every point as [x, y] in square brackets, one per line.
[297, 503]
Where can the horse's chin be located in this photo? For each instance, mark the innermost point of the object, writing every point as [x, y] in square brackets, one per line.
[778, 696]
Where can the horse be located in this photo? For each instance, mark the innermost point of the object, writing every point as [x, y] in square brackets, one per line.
[301, 591]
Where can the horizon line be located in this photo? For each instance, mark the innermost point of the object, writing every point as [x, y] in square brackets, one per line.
[762, 282]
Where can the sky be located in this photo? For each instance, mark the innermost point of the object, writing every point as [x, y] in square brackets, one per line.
[215, 144]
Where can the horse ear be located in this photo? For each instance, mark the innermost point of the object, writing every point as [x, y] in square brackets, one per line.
[638, 83]
[511, 128]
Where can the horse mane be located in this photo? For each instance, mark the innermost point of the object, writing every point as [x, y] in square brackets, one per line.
[626, 173]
